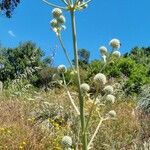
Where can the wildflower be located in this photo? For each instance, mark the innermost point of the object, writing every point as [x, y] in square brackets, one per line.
[54, 23]
[56, 12]
[116, 54]
[112, 114]
[103, 50]
[61, 69]
[85, 87]
[110, 98]
[66, 141]
[108, 89]
[100, 79]
[115, 43]
[61, 19]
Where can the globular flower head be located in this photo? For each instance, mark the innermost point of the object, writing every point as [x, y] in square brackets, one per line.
[54, 23]
[115, 43]
[56, 12]
[61, 69]
[100, 79]
[110, 98]
[85, 87]
[108, 89]
[116, 54]
[66, 141]
[112, 114]
[61, 19]
[103, 50]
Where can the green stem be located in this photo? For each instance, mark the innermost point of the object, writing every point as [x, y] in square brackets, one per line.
[65, 51]
[81, 102]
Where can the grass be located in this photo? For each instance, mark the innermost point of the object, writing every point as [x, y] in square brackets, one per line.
[40, 123]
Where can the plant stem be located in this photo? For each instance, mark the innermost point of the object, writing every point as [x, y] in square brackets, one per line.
[81, 102]
[65, 51]
[70, 97]
[95, 133]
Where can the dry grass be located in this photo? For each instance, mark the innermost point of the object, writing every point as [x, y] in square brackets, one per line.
[19, 129]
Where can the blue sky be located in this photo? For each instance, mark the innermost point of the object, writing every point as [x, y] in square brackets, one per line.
[127, 20]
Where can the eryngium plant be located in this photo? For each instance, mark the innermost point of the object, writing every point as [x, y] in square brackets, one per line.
[104, 92]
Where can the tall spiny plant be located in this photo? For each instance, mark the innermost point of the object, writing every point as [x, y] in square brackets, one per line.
[100, 80]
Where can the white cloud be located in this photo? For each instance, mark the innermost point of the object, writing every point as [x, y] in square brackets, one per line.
[11, 33]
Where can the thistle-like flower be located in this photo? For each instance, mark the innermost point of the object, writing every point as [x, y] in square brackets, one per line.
[100, 79]
[115, 43]
[116, 54]
[85, 87]
[56, 12]
[61, 19]
[61, 69]
[66, 141]
[103, 50]
[112, 114]
[108, 89]
[110, 98]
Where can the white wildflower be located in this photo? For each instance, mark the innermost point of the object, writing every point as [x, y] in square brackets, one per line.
[112, 114]
[56, 12]
[66, 141]
[100, 79]
[115, 43]
[85, 87]
[61, 69]
[110, 98]
[103, 50]
[108, 89]
[54, 23]
[116, 54]
[61, 19]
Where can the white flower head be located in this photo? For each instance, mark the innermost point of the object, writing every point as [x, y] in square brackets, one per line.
[66, 141]
[56, 12]
[110, 98]
[108, 89]
[115, 43]
[54, 23]
[112, 114]
[61, 69]
[103, 50]
[100, 79]
[84, 87]
[61, 19]
[116, 54]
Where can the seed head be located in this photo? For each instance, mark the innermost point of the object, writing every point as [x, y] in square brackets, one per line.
[116, 54]
[85, 87]
[66, 141]
[103, 50]
[61, 69]
[100, 79]
[115, 43]
[56, 12]
[108, 89]
[110, 98]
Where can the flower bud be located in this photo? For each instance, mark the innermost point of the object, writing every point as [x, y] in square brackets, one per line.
[112, 114]
[54, 23]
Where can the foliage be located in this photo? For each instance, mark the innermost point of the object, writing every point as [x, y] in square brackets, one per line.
[7, 6]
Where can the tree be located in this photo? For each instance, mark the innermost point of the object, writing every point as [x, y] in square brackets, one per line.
[7, 6]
